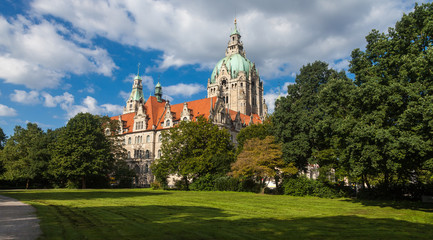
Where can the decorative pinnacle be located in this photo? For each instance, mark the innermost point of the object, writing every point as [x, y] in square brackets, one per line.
[138, 69]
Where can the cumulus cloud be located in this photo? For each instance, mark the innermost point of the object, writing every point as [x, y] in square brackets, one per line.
[90, 105]
[38, 54]
[23, 97]
[65, 101]
[185, 90]
[124, 95]
[273, 94]
[6, 111]
[280, 36]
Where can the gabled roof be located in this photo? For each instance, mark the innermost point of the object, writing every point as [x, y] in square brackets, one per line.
[156, 111]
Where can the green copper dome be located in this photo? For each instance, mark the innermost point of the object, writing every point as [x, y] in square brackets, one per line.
[235, 63]
[136, 94]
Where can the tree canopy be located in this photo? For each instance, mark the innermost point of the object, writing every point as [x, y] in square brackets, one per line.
[296, 115]
[82, 150]
[2, 139]
[261, 159]
[193, 149]
[25, 156]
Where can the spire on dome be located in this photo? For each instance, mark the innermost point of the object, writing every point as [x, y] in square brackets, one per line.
[235, 31]
[235, 44]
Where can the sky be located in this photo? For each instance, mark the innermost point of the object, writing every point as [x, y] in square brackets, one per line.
[59, 58]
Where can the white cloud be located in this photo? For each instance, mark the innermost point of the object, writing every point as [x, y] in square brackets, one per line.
[65, 101]
[6, 111]
[273, 94]
[28, 98]
[124, 95]
[280, 36]
[186, 90]
[90, 105]
[38, 55]
[88, 89]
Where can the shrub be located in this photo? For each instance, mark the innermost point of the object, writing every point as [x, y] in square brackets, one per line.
[155, 185]
[204, 183]
[302, 186]
[226, 183]
[249, 185]
[396, 191]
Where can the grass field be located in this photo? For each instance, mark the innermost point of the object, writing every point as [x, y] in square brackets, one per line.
[148, 214]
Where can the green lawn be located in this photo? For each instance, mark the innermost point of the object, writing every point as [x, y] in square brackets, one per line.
[148, 214]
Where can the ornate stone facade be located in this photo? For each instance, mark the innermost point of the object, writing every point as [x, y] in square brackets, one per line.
[237, 81]
[235, 100]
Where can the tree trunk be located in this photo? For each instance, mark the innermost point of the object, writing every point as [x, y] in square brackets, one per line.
[262, 185]
[186, 183]
[27, 183]
[277, 179]
[366, 182]
[83, 182]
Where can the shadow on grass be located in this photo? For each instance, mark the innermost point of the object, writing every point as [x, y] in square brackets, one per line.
[62, 194]
[418, 206]
[191, 222]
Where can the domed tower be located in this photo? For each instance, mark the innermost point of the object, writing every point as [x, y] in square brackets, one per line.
[236, 80]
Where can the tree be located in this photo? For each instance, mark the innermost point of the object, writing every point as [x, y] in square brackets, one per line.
[261, 159]
[82, 150]
[25, 156]
[193, 150]
[260, 131]
[296, 115]
[2, 139]
[392, 117]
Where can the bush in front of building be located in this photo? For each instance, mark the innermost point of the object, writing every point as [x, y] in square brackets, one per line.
[302, 186]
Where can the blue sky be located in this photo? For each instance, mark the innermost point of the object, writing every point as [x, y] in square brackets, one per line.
[58, 58]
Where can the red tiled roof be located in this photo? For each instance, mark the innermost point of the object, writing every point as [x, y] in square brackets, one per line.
[156, 111]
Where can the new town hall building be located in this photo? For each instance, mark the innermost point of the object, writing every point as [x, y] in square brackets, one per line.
[234, 100]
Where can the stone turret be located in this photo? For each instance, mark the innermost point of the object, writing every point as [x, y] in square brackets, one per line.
[236, 79]
[136, 98]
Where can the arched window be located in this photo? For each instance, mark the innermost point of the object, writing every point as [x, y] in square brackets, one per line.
[159, 137]
[137, 169]
[148, 138]
[129, 154]
[159, 153]
[167, 123]
[147, 154]
[146, 168]
[107, 132]
[185, 119]
[129, 140]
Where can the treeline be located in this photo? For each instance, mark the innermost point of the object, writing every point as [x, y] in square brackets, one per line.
[376, 130]
[80, 154]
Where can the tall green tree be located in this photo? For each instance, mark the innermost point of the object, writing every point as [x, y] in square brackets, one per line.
[296, 115]
[82, 150]
[393, 121]
[2, 139]
[25, 156]
[193, 150]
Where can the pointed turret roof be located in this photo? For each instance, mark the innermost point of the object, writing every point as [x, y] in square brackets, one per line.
[235, 31]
